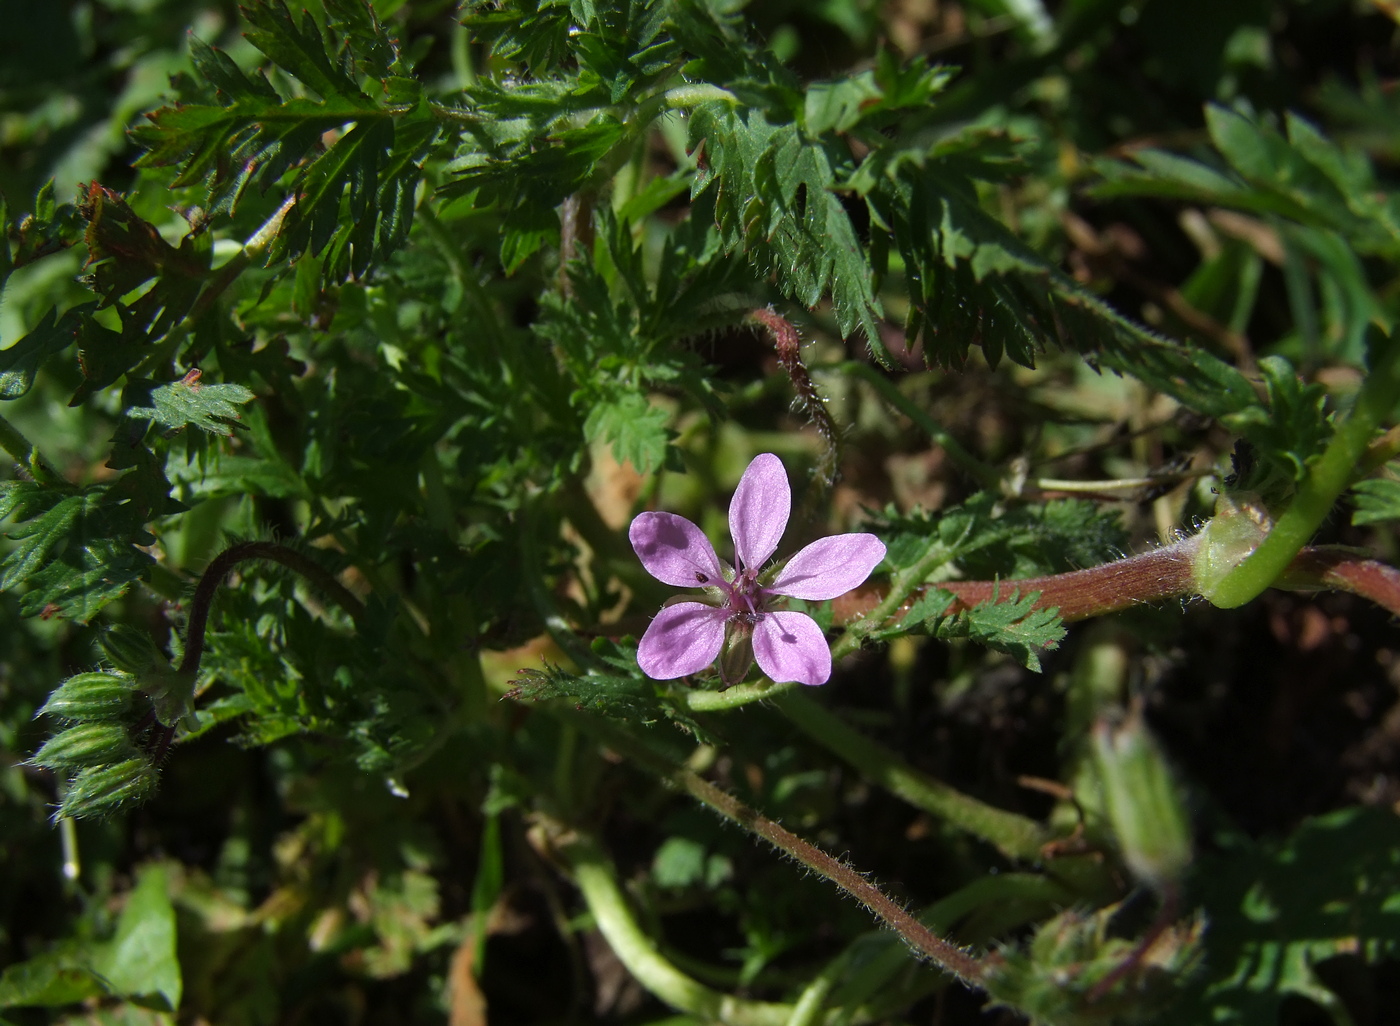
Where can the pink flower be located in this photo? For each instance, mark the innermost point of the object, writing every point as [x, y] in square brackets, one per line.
[686, 637]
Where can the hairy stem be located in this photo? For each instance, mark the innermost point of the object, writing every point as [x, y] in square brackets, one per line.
[1096, 591]
[787, 343]
[919, 937]
[272, 552]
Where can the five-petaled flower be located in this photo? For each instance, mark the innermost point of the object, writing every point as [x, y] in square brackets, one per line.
[686, 637]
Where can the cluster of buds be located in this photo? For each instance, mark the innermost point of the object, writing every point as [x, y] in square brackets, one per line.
[107, 749]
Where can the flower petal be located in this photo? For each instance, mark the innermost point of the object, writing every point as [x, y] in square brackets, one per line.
[683, 639]
[674, 550]
[790, 646]
[829, 567]
[758, 514]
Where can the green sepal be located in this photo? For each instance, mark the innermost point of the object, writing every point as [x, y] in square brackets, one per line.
[86, 744]
[91, 696]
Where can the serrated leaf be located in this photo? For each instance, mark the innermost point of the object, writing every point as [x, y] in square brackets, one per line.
[774, 202]
[356, 159]
[630, 698]
[1293, 429]
[1377, 500]
[636, 430]
[190, 402]
[297, 47]
[1008, 625]
[76, 551]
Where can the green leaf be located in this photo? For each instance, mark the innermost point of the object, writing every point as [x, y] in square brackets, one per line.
[141, 960]
[1276, 910]
[180, 404]
[354, 196]
[298, 48]
[774, 203]
[20, 362]
[1008, 625]
[1293, 429]
[631, 698]
[76, 551]
[1377, 500]
[48, 980]
[679, 862]
[984, 538]
[636, 430]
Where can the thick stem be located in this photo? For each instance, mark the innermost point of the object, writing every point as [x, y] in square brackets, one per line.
[1096, 591]
[225, 561]
[1328, 566]
[1327, 477]
[597, 881]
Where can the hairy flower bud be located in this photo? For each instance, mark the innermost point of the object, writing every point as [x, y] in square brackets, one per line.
[1141, 801]
[131, 650]
[101, 790]
[86, 744]
[91, 696]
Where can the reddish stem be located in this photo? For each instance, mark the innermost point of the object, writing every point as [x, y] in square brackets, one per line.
[225, 561]
[1150, 577]
[787, 343]
[1331, 566]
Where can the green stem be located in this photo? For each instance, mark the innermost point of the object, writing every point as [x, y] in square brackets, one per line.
[23, 452]
[985, 476]
[597, 881]
[1327, 477]
[1015, 836]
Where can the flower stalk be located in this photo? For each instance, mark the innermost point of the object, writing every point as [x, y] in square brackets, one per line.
[220, 567]
[923, 941]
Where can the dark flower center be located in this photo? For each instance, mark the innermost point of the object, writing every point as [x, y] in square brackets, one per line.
[745, 598]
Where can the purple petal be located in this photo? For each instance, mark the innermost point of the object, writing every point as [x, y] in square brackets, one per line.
[829, 567]
[790, 646]
[683, 639]
[674, 550]
[758, 514]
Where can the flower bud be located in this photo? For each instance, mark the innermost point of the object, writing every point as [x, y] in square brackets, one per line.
[85, 744]
[101, 790]
[131, 650]
[1141, 801]
[91, 696]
